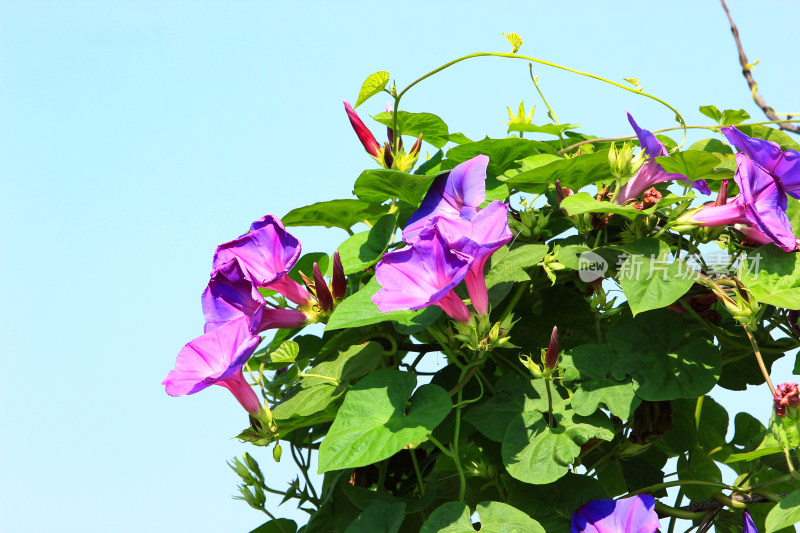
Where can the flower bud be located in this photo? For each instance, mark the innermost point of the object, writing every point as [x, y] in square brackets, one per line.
[535, 369]
[787, 395]
[551, 357]
[722, 196]
[339, 281]
[622, 161]
[364, 135]
[324, 297]
[650, 198]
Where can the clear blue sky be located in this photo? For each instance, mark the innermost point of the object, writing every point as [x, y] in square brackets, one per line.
[136, 136]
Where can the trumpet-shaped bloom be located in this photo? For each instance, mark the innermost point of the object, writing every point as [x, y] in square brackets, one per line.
[216, 358]
[231, 294]
[422, 275]
[747, 523]
[784, 166]
[477, 234]
[651, 172]
[761, 204]
[462, 190]
[628, 515]
[267, 254]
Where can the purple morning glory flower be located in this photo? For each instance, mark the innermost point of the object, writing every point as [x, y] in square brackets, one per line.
[477, 234]
[651, 172]
[784, 166]
[463, 189]
[267, 254]
[760, 204]
[231, 294]
[423, 275]
[747, 523]
[628, 515]
[216, 358]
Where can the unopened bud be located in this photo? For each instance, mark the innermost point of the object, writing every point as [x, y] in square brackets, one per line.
[551, 357]
[339, 281]
[535, 369]
[561, 193]
[622, 161]
[324, 297]
[787, 395]
[722, 196]
[277, 451]
[650, 198]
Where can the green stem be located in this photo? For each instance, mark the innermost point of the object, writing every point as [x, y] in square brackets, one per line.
[418, 472]
[678, 513]
[698, 411]
[761, 364]
[441, 447]
[515, 298]
[678, 501]
[680, 482]
[549, 403]
[332, 380]
[456, 457]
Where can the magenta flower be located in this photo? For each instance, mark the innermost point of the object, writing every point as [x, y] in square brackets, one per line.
[463, 189]
[761, 204]
[422, 275]
[216, 358]
[267, 254]
[230, 294]
[628, 515]
[747, 523]
[364, 135]
[651, 172]
[477, 234]
[784, 166]
[385, 155]
[787, 395]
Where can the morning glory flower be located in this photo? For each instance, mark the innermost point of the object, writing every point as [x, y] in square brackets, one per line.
[217, 358]
[761, 204]
[463, 189]
[477, 234]
[786, 395]
[231, 294]
[747, 523]
[628, 515]
[423, 275]
[267, 254]
[784, 166]
[651, 172]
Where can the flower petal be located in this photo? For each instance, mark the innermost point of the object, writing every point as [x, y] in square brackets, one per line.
[628, 515]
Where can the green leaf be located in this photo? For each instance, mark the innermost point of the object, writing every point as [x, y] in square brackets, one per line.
[694, 164]
[785, 514]
[574, 172]
[314, 394]
[536, 453]
[700, 466]
[772, 276]
[550, 129]
[514, 395]
[503, 154]
[372, 424]
[286, 352]
[711, 112]
[306, 264]
[359, 310]
[380, 517]
[583, 202]
[335, 214]
[494, 517]
[378, 185]
[510, 266]
[770, 134]
[433, 129]
[733, 116]
[597, 387]
[281, 525]
[664, 364]
[515, 40]
[374, 84]
[650, 282]
[712, 145]
[364, 249]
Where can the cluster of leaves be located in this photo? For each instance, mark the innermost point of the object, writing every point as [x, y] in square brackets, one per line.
[488, 432]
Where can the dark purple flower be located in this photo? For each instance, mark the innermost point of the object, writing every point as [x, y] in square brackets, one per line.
[784, 166]
[477, 234]
[747, 523]
[422, 275]
[230, 294]
[760, 204]
[462, 190]
[629, 515]
[787, 395]
[339, 281]
[651, 172]
[216, 358]
[267, 254]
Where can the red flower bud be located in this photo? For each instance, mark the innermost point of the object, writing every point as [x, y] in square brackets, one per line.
[364, 135]
[650, 198]
[722, 196]
[324, 297]
[787, 395]
[551, 357]
[339, 282]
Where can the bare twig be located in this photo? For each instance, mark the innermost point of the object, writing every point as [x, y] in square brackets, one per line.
[747, 72]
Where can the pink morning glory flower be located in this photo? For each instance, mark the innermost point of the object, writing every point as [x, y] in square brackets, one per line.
[651, 172]
[761, 204]
[231, 294]
[628, 515]
[422, 275]
[267, 254]
[463, 189]
[784, 166]
[477, 234]
[217, 358]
